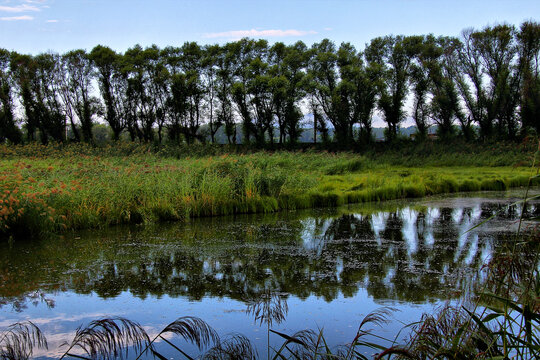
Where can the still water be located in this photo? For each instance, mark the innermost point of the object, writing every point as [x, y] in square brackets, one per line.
[330, 266]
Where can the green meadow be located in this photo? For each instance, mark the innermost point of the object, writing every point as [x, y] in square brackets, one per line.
[55, 188]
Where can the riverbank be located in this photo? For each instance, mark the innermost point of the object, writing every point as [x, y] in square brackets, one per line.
[50, 189]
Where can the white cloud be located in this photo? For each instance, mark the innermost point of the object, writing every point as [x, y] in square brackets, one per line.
[238, 34]
[19, 8]
[328, 29]
[52, 21]
[16, 18]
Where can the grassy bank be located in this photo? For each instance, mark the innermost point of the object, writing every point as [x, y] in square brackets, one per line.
[58, 188]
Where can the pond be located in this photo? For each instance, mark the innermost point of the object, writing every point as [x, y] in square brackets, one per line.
[328, 267]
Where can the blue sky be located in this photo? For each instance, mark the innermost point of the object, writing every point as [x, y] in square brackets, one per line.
[33, 26]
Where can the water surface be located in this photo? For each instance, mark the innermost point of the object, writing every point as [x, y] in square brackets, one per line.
[330, 266]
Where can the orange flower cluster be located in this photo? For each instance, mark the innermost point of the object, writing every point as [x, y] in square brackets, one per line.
[21, 195]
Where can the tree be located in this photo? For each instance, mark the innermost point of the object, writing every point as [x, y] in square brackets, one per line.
[210, 66]
[23, 70]
[191, 64]
[288, 87]
[242, 53]
[466, 68]
[8, 126]
[187, 90]
[224, 79]
[260, 86]
[445, 106]
[486, 64]
[394, 59]
[37, 82]
[497, 48]
[528, 39]
[330, 96]
[158, 86]
[77, 88]
[359, 88]
[445, 103]
[424, 56]
[138, 67]
[176, 99]
[450, 62]
[112, 86]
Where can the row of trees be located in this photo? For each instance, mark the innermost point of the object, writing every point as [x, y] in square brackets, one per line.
[487, 80]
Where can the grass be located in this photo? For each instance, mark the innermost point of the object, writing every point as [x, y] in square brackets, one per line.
[50, 189]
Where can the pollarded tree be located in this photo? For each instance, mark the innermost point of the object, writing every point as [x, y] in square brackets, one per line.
[210, 67]
[445, 106]
[158, 90]
[445, 103]
[450, 68]
[139, 67]
[436, 99]
[49, 105]
[279, 85]
[176, 99]
[349, 67]
[63, 80]
[261, 88]
[177, 103]
[424, 54]
[466, 68]
[529, 63]
[23, 69]
[36, 82]
[224, 80]
[358, 88]
[240, 52]
[191, 64]
[330, 96]
[288, 78]
[497, 48]
[8, 126]
[112, 86]
[394, 58]
[186, 98]
[488, 79]
[368, 81]
[76, 88]
[248, 81]
[141, 118]
[194, 95]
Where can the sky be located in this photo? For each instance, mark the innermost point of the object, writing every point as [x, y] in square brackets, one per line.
[34, 26]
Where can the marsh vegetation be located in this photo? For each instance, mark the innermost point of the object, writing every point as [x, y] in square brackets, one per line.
[48, 189]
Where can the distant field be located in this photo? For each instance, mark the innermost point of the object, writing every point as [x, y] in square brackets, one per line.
[46, 189]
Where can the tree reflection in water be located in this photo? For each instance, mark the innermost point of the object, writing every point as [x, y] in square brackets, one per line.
[412, 253]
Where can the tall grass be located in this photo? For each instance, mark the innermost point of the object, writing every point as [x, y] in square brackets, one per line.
[19, 340]
[112, 338]
[45, 189]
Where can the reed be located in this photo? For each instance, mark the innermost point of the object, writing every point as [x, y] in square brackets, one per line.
[51, 189]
